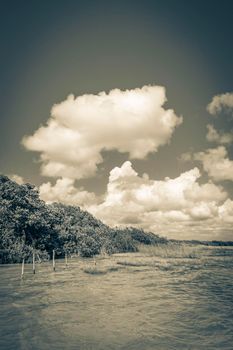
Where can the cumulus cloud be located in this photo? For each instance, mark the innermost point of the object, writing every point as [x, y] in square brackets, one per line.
[219, 137]
[216, 163]
[65, 191]
[79, 129]
[172, 207]
[226, 211]
[17, 178]
[221, 102]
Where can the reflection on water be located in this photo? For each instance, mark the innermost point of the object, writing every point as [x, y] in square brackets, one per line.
[127, 301]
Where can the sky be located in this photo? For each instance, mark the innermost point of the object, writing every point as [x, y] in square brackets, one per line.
[124, 108]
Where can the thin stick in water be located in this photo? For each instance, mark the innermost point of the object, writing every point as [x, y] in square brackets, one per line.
[22, 273]
[54, 266]
[33, 263]
[66, 258]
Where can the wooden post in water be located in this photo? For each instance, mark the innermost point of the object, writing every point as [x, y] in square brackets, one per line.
[54, 266]
[33, 263]
[66, 259]
[22, 273]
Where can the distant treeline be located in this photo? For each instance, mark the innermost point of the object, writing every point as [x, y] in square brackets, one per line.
[209, 243]
[27, 223]
[218, 243]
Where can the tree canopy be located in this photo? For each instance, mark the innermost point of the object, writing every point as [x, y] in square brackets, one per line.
[27, 223]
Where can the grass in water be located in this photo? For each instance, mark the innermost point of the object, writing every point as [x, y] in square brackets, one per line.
[129, 263]
[151, 257]
[94, 270]
[170, 250]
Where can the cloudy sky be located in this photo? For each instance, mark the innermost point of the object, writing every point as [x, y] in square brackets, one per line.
[124, 108]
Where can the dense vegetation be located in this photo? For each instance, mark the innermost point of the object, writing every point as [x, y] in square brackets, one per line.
[27, 223]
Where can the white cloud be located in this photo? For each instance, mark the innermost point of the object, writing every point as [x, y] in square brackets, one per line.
[179, 207]
[79, 129]
[226, 211]
[216, 163]
[64, 191]
[17, 178]
[214, 136]
[220, 102]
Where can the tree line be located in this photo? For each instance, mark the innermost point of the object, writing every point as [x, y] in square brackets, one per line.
[29, 224]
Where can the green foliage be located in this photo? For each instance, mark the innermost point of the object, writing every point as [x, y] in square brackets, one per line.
[143, 237]
[121, 241]
[27, 224]
[79, 231]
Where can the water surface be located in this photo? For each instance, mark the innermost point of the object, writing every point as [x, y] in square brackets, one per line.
[126, 301]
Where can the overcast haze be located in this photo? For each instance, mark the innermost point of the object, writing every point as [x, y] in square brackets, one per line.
[124, 108]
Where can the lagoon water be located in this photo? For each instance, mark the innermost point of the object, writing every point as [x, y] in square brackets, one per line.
[126, 301]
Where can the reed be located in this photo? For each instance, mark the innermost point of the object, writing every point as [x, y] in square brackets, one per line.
[170, 250]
